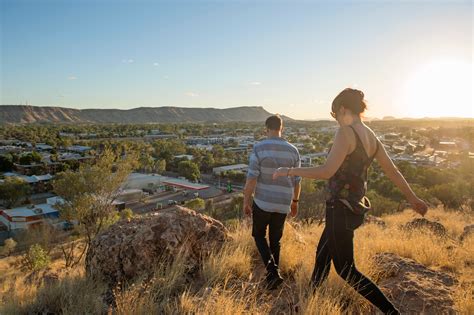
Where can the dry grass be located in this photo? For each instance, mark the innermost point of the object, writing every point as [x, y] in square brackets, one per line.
[229, 281]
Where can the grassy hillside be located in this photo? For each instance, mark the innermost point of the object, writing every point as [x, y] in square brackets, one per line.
[229, 280]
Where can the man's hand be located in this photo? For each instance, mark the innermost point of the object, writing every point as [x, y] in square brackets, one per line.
[419, 205]
[294, 209]
[247, 210]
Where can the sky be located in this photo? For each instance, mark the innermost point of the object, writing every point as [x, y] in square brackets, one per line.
[410, 58]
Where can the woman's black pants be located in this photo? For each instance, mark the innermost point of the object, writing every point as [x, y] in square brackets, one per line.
[336, 245]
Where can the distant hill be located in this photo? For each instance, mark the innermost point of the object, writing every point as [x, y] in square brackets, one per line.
[11, 114]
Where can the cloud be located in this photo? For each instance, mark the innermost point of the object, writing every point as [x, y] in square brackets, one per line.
[72, 77]
[255, 83]
[128, 61]
[156, 64]
[166, 77]
[191, 94]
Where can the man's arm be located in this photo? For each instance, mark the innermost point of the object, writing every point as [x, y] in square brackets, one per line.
[297, 191]
[249, 189]
[253, 173]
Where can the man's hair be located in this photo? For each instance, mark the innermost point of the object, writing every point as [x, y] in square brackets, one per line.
[274, 122]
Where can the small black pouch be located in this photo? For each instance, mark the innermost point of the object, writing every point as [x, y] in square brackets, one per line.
[355, 212]
[360, 208]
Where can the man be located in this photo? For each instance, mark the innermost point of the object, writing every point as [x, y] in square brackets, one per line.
[273, 199]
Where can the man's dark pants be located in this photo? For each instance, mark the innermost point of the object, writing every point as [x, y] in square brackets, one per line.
[275, 222]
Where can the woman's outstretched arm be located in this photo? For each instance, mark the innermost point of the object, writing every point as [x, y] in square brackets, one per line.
[397, 178]
[336, 156]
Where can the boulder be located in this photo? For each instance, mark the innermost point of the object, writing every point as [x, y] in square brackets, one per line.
[468, 232]
[413, 288]
[425, 224]
[128, 250]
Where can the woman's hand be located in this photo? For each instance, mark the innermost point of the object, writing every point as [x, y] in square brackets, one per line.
[281, 171]
[419, 205]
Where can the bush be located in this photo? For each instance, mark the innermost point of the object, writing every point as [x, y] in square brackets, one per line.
[451, 195]
[381, 204]
[126, 214]
[9, 247]
[36, 258]
[196, 204]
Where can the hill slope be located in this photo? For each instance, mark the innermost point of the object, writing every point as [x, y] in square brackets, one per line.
[35, 114]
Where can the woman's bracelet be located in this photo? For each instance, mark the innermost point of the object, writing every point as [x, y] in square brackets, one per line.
[288, 171]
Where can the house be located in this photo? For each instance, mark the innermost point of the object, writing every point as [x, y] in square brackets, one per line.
[79, 148]
[307, 159]
[29, 216]
[184, 156]
[38, 183]
[43, 147]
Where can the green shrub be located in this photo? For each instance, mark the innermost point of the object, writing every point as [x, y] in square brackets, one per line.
[36, 258]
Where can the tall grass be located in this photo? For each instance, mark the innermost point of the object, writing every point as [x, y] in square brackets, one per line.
[230, 280]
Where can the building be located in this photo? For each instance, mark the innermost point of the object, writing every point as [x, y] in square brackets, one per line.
[79, 148]
[38, 183]
[184, 156]
[307, 159]
[226, 168]
[29, 216]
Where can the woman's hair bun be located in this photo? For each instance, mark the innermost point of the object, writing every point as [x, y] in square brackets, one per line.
[351, 99]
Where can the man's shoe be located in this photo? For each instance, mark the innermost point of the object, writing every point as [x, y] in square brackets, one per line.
[274, 280]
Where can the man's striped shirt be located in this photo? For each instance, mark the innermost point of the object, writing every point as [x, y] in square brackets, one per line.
[268, 155]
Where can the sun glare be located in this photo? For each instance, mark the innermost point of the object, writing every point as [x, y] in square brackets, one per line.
[439, 89]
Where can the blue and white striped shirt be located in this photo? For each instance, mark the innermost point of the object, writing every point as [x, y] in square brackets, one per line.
[268, 155]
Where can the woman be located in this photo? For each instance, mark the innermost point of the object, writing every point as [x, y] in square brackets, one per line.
[354, 148]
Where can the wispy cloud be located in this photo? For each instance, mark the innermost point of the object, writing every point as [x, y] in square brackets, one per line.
[191, 94]
[255, 83]
[156, 64]
[72, 77]
[128, 61]
[165, 77]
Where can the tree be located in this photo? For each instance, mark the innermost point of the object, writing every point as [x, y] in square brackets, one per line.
[6, 163]
[160, 166]
[29, 158]
[189, 169]
[89, 194]
[13, 190]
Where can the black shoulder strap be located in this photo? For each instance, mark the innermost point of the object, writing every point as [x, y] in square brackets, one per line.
[356, 134]
[362, 145]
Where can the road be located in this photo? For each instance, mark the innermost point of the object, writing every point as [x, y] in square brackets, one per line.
[149, 204]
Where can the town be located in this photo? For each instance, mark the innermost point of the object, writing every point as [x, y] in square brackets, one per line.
[198, 165]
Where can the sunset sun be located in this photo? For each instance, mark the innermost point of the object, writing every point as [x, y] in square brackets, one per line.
[439, 88]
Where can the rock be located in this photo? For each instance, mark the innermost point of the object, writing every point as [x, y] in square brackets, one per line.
[424, 224]
[468, 232]
[413, 288]
[128, 250]
[370, 219]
